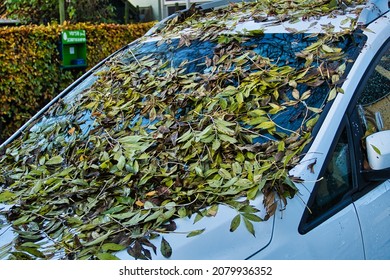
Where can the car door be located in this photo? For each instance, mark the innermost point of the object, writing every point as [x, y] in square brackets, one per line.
[374, 214]
[330, 224]
[348, 183]
[372, 200]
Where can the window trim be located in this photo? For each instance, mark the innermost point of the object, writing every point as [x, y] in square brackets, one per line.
[305, 225]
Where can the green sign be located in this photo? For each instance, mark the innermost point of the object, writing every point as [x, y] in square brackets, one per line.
[73, 36]
[73, 49]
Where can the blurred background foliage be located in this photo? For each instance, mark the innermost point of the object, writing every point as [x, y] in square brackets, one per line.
[47, 11]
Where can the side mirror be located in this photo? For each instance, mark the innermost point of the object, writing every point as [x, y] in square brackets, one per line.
[378, 150]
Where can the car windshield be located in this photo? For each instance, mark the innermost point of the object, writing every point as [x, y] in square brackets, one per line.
[194, 70]
[167, 123]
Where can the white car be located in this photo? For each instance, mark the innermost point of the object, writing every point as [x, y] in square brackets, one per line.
[248, 130]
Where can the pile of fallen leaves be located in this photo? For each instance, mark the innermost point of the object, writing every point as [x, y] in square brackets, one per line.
[151, 141]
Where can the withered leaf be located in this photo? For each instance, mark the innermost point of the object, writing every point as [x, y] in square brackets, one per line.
[174, 137]
[311, 166]
[136, 251]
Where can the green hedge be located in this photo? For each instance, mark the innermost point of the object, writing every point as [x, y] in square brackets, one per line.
[30, 73]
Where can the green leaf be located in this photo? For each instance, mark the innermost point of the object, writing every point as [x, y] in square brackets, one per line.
[198, 217]
[266, 125]
[6, 196]
[310, 123]
[230, 183]
[122, 216]
[98, 240]
[252, 192]
[237, 169]
[235, 222]
[115, 209]
[226, 138]
[121, 162]
[165, 248]
[22, 220]
[79, 182]
[30, 244]
[132, 139]
[112, 247]
[281, 146]
[195, 232]
[154, 216]
[246, 208]
[216, 144]
[33, 251]
[182, 212]
[55, 160]
[5, 250]
[252, 217]
[249, 226]
[376, 149]
[186, 136]
[106, 256]
[224, 174]
[22, 256]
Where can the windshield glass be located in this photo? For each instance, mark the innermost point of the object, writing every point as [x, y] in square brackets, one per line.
[204, 65]
[165, 124]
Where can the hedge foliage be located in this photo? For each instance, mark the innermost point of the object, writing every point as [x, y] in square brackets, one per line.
[30, 73]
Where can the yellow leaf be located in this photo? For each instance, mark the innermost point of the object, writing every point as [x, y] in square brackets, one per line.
[71, 131]
[327, 49]
[151, 193]
[139, 203]
[266, 125]
[295, 94]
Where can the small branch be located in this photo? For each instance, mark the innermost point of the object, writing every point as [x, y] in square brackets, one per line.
[289, 130]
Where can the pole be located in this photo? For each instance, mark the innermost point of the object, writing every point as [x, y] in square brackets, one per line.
[61, 4]
[127, 8]
[160, 10]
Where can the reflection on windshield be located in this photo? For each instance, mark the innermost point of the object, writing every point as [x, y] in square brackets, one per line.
[279, 49]
[6, 234]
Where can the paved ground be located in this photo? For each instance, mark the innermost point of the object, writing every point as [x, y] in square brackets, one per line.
[376, 96]
[383, 106]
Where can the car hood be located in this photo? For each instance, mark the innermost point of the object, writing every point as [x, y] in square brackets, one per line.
[216, 241]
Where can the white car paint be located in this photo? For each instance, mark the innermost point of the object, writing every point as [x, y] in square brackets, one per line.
[373, 210]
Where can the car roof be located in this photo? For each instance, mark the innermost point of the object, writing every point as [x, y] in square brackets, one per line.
[276, 17]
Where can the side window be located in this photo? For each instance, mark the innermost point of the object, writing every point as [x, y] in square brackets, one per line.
[336, 180]
[374, 102]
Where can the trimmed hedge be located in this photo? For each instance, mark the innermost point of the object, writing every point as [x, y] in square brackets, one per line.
[30, 73]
